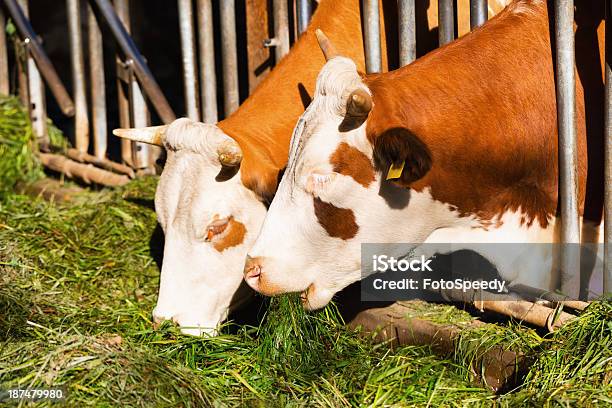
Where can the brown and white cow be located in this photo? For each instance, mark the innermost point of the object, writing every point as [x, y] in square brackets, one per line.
[474, 126]
[211, 194]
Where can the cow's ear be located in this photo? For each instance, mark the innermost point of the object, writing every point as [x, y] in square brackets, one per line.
[401, 155]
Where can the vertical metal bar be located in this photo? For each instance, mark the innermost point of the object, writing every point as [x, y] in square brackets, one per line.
[208, 77]
[607, 274]
[22, 75]
[138, 114]
[190, 76]
[407, 31]
[36, 51]
[81, 121]
[372, 36]
[304, 12]
[478, 13]
[98, 90]
[446, 22]
[281, 29]
[142, 71]
[231, 98]
[568, 156]
[140, 118]
[123, 13]
[37, 104]
[4, 78]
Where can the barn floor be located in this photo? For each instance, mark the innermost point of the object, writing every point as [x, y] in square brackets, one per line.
[78, 283]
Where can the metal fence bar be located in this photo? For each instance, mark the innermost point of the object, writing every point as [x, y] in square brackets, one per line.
[98, 89]
[141, 152]
[4, 78]
[35, 96]
[407, 31]
[231, 98]
[446, 22]
[281, 29]
[607, 274]
[22, 72]
[38, 104]
[123, 104]
[81, 120]
[372, 36]
[140, 67]
[42, 61]
[568, 157]
[478, 13]
[190, 76]
[136, 114]
[208, 76]
[304, 12]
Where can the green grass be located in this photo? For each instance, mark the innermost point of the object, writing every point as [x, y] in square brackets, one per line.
[78, 283]
[76, 279]
[17, 144]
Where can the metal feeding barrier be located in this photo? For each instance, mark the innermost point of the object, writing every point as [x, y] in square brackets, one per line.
[137, 89]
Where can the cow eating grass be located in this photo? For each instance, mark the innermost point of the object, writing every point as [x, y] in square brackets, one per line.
[218, 178]
[472, 128]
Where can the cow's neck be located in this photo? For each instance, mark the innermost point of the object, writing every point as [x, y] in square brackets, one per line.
[486, 111]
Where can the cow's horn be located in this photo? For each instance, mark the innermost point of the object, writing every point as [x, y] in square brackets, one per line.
[359, 103]
[154, 135]
[229, 153]
[326, 46]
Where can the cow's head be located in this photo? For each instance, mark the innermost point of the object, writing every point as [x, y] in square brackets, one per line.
[209, 219]
[334, 194]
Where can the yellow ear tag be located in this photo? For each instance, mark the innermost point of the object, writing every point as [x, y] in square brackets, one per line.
[395, 172]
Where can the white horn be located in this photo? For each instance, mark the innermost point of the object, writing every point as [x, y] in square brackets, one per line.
[154, 135]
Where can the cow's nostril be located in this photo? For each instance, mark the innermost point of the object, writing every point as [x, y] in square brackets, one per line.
[252, 271]
[159, 318]
[252, 268]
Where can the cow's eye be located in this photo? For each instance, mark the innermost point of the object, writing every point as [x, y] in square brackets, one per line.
[216, 227]
[317, 181]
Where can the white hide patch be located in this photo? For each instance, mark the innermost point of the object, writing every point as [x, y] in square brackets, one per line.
[198, 282]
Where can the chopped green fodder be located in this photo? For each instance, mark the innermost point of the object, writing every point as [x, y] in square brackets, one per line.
[437, 313]
[17, 144]
[78, 283]
[573, 366]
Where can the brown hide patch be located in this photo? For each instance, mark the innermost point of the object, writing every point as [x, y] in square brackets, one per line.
[338, 222]
[232, 235]
[493, 144]
[351, 162]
